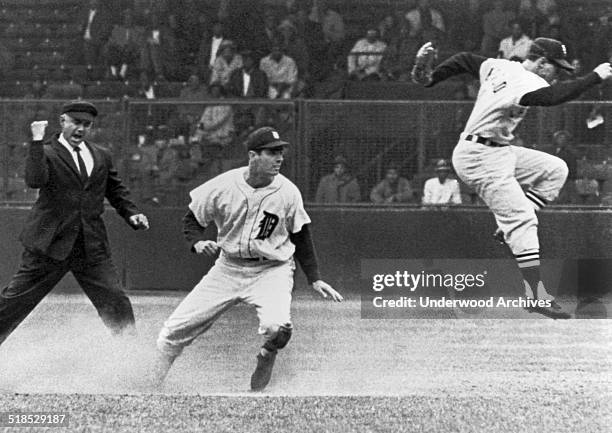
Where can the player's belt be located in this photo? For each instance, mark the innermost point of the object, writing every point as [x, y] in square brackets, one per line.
[253, 259]
[482, 140]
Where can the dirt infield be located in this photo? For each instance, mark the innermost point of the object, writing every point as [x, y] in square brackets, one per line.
[339, 373]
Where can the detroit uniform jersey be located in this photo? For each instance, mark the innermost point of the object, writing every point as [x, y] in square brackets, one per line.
[251, 222]
[497, 111]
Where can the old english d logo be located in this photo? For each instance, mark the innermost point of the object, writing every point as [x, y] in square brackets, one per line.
[267, 225]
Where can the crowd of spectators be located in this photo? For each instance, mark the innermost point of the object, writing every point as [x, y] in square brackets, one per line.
[307, 41]
[281, 50]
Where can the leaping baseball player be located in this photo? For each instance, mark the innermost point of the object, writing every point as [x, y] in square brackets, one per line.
[514, 182]
[262, 226]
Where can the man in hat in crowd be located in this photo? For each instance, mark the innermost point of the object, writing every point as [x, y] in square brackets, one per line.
[64, 230]
[261, 227]
[339, 186]
[441, 189]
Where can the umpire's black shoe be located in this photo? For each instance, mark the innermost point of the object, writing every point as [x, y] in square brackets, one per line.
[554, 311]
[262, 374]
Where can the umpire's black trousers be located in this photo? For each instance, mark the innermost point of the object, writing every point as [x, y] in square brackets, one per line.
[38, 274]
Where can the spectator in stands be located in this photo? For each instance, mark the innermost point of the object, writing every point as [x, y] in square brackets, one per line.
[311, 33]
[216, 126]
[96, 27]
[281, 71]
[146, 87]
[209, 48]
[517, 44]
[441, 189]
[248, 81]
[7, 59]
[193, 91]
[564, 150]
[388, 29]
[339, 186]
[266, 35]
[533, 20]
[602, 43]
[124, 46]
[226, 62]
[424, 17]
[294, 47]
[587, 189]
[399, 55]
[392, 189]
[334, 32]
[159, 49]
[496, 26]
[365, 58]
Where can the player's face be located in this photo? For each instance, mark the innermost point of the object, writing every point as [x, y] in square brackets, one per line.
[268, 162]
[547, 70]
[74, 130]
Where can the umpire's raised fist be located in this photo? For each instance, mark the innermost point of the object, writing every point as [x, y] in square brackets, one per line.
[38, 129]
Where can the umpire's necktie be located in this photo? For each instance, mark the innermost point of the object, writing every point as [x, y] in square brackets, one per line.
[82, 168]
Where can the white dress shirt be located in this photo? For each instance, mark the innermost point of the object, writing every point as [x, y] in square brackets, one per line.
[246, 82]
[85, 154]
[92, 14]
[435, 192]
[214, 47]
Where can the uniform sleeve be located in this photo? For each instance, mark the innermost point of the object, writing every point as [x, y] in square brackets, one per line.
[297, 216]
[192, 230]
[202, 204]
[560, 92]
[460, 63]
[305, 253]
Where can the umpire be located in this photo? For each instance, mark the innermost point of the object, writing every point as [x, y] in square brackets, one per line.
[64, 230]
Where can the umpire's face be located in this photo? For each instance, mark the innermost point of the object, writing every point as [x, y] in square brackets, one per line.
[74, 130]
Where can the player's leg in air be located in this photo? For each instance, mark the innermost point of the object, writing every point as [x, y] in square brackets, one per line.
[515, 209]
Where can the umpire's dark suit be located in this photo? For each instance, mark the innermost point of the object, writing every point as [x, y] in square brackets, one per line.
[65, 232]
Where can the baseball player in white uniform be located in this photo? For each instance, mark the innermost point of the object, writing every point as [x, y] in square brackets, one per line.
[514, 182]
[262, 226]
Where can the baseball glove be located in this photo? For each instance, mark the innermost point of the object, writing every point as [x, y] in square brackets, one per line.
[423, 64]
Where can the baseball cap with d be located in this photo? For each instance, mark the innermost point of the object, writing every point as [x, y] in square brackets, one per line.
[553, 50]
[265, 137]
[81, 110]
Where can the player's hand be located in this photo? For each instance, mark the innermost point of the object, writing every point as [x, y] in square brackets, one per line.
[327, 291]
[209, 248]
[604, 71]
[139, 221]
[38, 129]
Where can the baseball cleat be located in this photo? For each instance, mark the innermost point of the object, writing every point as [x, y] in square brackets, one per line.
[553, 312]
[262, 374]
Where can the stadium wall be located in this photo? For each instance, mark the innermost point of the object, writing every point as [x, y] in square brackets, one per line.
[160, 260]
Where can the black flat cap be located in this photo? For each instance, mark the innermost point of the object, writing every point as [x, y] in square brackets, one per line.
[81, 110]
[265, 137]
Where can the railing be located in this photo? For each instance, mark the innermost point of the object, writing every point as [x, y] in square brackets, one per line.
[162, 153]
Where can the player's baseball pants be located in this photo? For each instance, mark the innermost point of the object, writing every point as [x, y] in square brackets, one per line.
[267, 285]
[501, 176]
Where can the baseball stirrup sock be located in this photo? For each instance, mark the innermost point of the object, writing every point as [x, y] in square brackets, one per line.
[537, 201]
[529, 264]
